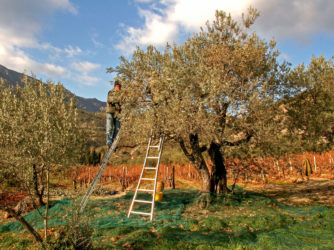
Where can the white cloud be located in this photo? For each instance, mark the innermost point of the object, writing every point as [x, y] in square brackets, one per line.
[96, 43]
[20, 23]
[156, 31]
[70, 51]
[85, 66]
[144, 1]
[64, 5]
[87, 80]
[194, 14]
[294, 19]
[52, 70]
[163, 25]
[16, 59]
[154, 25]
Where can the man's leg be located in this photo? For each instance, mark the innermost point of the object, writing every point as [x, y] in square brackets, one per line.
[109, 128]
[116, 128]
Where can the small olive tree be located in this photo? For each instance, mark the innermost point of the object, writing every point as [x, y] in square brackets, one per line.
[211, 93]
[39, 136]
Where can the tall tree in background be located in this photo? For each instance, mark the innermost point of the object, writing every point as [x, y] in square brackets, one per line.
[39, 136]
[311, 110]
[211, 93]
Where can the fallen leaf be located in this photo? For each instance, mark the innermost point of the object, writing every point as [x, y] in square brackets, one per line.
[126, 245]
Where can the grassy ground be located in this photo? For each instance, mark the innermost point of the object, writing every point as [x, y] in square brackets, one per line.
[245, 220]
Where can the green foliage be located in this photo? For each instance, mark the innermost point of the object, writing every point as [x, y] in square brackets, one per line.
[10, 240]
[93, 124]
[211, 223]
[206, 86]
[311, 111]
[172, 153]
[38, 126]
[39, 137]
[214, 91]
[92, 157]
[77, 233]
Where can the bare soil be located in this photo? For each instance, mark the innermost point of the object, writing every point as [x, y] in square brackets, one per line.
[315, 191]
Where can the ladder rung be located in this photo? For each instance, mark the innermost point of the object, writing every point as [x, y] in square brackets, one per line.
[134, 212]
[141, 201]
[146, 190]
[152, 167]
[148, 179]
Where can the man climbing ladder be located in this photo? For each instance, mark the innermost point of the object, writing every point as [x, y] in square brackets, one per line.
[112, 137]
[113, 110]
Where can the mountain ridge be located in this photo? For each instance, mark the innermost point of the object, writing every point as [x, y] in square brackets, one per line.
[88, 104]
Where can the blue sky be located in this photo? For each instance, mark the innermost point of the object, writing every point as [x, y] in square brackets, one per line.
[74, 41]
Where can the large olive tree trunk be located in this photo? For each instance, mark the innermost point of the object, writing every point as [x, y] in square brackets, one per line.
[216, 182]
[197, 159]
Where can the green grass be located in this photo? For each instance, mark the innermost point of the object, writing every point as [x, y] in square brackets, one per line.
[12, 241]
[246, 220]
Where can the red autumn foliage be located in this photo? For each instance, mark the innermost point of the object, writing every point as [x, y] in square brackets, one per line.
[257, 170]
[11, 199]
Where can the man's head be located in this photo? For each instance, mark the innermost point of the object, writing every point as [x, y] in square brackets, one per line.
[117, 85]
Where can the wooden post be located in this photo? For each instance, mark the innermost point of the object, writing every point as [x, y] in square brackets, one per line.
[290, 165]
[278, 169]
[46, 213]
[315, 164]
[123, 179]
[88, 174]
[74, 184]
[173, 177]
[126, 180]
[262, 174]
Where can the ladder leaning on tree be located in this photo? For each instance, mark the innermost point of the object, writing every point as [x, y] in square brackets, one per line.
[145, 170]
[92, 186]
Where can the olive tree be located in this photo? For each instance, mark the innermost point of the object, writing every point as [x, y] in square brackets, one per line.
[311, 110]
[39, 136]
[209, 94]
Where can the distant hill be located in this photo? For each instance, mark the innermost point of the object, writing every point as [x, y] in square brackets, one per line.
[88, 104]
